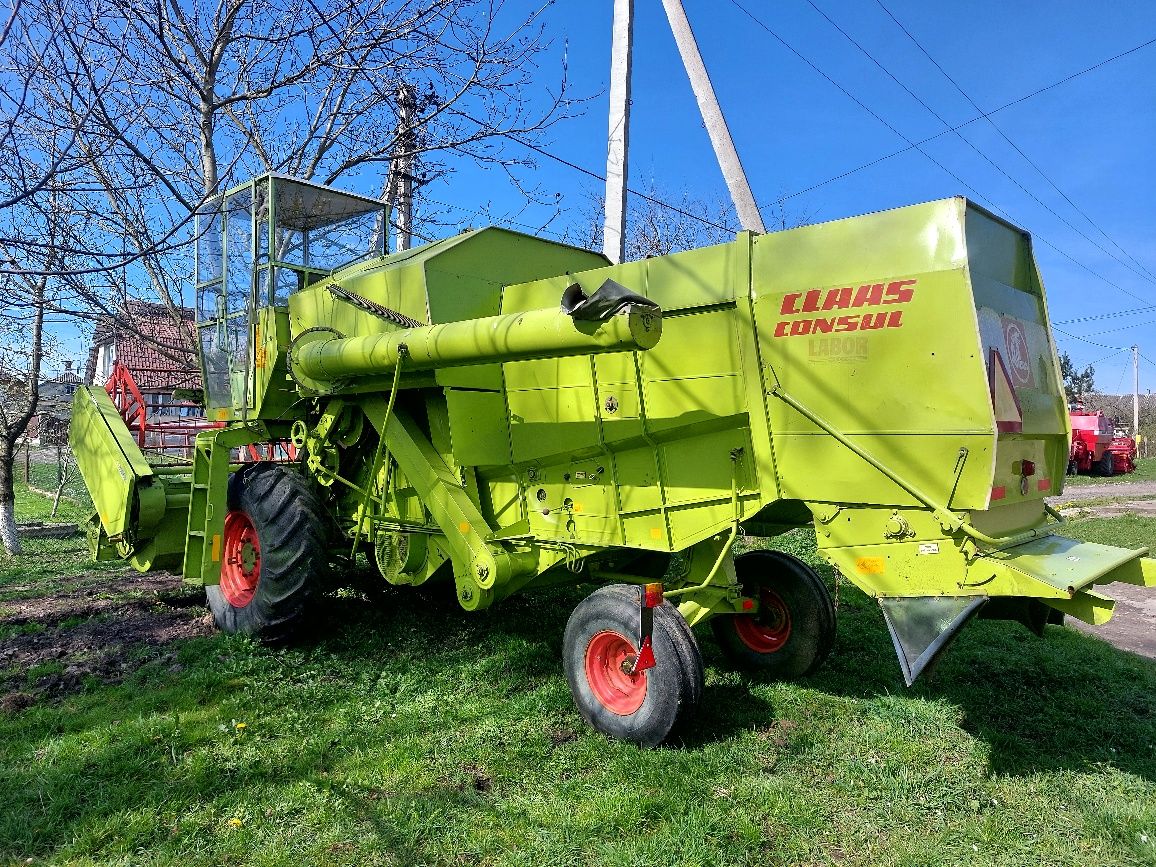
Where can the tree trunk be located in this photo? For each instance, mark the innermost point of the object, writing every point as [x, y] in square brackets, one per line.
[61, 481]
[8, 535]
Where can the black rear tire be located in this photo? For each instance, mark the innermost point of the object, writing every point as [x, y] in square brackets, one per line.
[1107, 465]
[602, 635]
[283, 550]
[794, 630]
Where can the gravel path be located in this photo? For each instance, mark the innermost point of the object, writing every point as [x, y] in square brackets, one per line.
[1119, 490]
[1133, 625]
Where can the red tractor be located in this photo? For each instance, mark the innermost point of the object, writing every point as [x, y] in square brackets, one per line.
[1097, 447]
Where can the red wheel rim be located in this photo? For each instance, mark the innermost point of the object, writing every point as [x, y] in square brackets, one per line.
[240, 561]
[767, 631]
[608, 657]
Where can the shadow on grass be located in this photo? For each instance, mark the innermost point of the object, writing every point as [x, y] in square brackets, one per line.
[1064, 701]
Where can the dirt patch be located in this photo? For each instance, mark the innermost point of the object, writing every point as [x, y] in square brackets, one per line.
[1133, 624]
[1122, 490]
[1143, 508]
[59, 638]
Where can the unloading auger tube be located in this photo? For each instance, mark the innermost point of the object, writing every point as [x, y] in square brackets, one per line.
[321, 356]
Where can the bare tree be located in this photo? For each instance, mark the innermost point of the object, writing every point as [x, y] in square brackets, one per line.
[24, 344]
[659, 222]
[218, 92]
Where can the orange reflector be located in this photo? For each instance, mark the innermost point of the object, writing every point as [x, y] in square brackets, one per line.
[748, 604]
[1044, 484]
[998, 493]
[652, 595]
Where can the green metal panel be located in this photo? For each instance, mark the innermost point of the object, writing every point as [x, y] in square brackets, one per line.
[479, 428]
[119, 479]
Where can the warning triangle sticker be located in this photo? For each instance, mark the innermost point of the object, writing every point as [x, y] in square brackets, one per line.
[1009, 416]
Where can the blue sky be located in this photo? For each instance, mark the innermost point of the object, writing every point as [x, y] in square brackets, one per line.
[1093, 136]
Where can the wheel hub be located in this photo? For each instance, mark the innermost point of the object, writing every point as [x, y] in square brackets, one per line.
[240, 560]
[610, 658]
[769, 630]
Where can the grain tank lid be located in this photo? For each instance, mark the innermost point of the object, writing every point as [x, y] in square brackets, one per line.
[608, 300]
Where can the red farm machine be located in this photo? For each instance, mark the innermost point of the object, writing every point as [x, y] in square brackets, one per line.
[1098, 445]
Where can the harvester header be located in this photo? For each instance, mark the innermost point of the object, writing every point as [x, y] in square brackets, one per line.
[499, 413]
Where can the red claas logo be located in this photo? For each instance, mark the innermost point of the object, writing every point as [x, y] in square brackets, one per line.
[1019, 361]
[829, 303]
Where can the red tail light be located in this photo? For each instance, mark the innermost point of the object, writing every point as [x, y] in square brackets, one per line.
[652, 595]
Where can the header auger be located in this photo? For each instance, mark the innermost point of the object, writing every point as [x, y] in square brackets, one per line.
[504, 412]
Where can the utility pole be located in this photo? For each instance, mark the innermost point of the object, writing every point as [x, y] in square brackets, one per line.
[1135, 391]
[617, 142]
[712, 116]
[404, 158]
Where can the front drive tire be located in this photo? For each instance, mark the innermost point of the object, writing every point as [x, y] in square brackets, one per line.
[794, 629]
[602, 639]
[273, 554]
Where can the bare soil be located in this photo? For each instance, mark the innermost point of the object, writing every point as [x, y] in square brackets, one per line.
[1133, 623]
[91, 628]
[1119, 490]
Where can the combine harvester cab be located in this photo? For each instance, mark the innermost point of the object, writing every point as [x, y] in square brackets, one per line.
[503, 413]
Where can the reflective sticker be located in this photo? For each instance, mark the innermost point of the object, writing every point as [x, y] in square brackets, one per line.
[929, 548]
[655, 533]
[464, 527]
[216, 547]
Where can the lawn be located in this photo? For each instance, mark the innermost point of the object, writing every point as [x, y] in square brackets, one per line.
[408, 732]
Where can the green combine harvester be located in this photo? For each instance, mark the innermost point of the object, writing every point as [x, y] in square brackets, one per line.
[505, 412]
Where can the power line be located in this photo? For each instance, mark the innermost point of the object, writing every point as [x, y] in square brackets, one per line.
[1106, 357]
[913, 145]
[1086, 340]
[1097, 316]
[931, 138]
[1005, 137]
[593, 174]
[974, 147]
[1122, 328]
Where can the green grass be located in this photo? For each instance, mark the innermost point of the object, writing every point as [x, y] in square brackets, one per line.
[75, 505]
[1122, 531]
[412, 733]
[1145, 472]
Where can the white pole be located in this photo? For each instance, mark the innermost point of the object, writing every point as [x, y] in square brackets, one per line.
[1135, 391]
[716, 126]
[618, 140]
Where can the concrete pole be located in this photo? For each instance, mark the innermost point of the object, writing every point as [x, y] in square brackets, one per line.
[1135, 391]
[406, 105]
[716, 127]
[618, 140]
